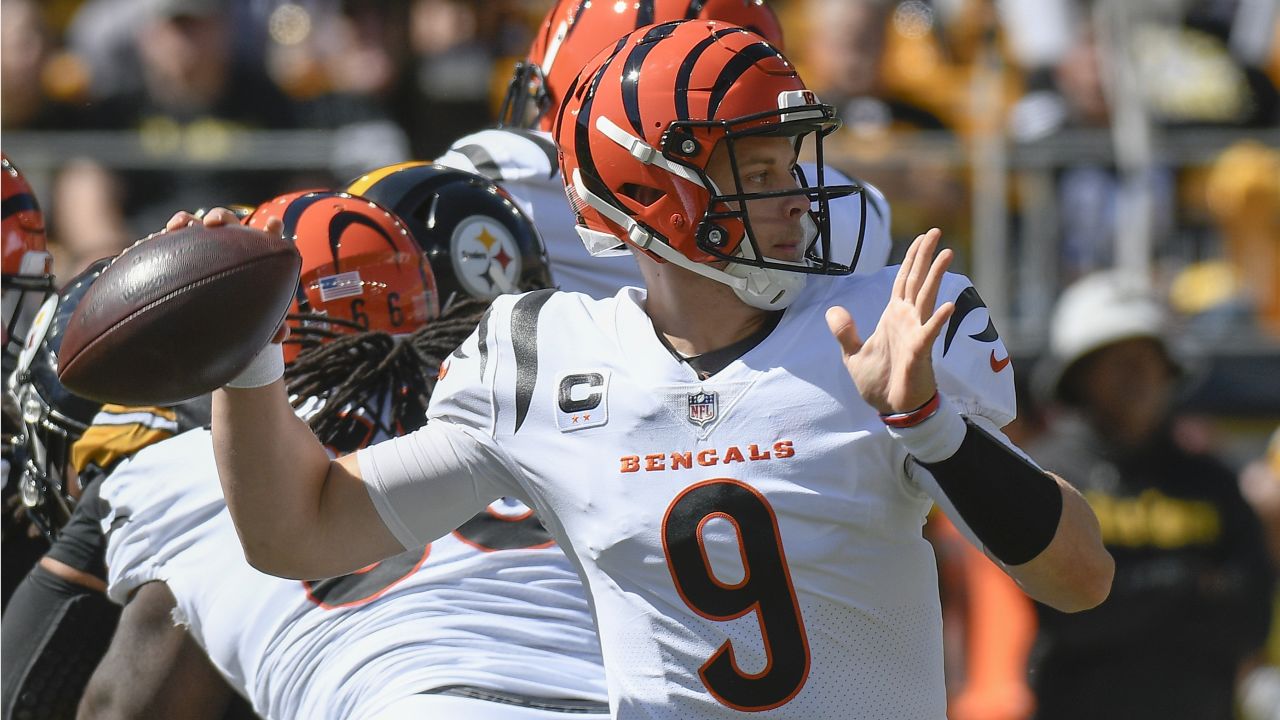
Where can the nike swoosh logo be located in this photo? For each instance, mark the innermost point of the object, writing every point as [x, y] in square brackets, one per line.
[998, 365]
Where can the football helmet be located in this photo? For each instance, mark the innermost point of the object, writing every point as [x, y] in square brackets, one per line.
[52, 417]
[27, 278]
[361, 270]
[639, 127]
[574, 31]
[479, 242]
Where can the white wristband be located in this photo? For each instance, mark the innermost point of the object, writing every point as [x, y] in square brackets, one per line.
[265, 368]
[935, 439]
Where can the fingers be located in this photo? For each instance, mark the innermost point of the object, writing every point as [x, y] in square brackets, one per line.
[180, 219]
[900, 280]
[220, 216]
[274, 227]
[920, 263]
[840, 323]
[928, 295]
[934, 325]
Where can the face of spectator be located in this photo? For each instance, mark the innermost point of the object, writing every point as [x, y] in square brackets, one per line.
[1126, 389]
[185, 60]
[22, 50]
[848, 40]
[1079, 76]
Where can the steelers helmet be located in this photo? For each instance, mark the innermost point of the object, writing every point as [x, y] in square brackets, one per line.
[478, 241]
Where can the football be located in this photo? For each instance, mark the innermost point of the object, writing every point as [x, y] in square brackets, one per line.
[178, 315]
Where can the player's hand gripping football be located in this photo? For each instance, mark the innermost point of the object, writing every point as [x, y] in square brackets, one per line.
[222, 216]
[893, 368]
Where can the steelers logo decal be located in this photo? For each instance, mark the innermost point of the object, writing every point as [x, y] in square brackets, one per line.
[485, 257]
[39, 328]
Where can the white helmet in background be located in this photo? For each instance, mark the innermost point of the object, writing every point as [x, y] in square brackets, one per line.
[1101, 309]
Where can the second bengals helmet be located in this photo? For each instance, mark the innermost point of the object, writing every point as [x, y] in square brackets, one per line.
[573, 31]
[27, 277]
[361, 270]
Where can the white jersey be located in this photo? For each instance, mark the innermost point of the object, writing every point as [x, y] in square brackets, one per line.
[751, 542]
[524, 163]
[493, 605]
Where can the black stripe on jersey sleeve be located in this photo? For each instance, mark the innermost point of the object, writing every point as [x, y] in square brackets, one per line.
[482, 340]
[524, 343]
[481, 160]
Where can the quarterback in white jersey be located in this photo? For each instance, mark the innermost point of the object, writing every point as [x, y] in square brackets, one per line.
[754, 536]
[491, 606]
[743, 506]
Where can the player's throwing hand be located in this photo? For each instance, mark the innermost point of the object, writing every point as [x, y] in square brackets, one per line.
[893, 368]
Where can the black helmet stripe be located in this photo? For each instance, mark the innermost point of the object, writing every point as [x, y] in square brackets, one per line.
[686, 70]
[644, 13]
[19, 203]
[583, 6]
[695, 8]
[290, 233]
[631, 72]
[344, 219]
[583, 132]
[735, 68]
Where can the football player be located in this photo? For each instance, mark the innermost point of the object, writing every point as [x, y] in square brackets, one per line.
[26, 283]
[488, 622]
[520, 153]
[745, 508]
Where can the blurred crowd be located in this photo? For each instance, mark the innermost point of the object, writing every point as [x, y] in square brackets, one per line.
[1103, 89]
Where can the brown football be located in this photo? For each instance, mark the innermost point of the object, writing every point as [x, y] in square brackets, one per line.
[178, 315]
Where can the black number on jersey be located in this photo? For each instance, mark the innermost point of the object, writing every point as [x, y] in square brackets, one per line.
[490, 530]
[368, 583]
[765, 589]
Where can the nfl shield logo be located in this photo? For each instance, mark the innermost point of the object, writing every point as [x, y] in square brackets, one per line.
[702, 408]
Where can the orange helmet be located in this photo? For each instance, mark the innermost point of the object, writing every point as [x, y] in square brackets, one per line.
[642, 121]
[27, 280]
[361, 271]
[574, 31]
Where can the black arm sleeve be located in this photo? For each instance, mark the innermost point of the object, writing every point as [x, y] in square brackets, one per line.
[1010, 504]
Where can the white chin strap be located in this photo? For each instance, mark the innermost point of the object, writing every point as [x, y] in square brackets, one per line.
[763, 288]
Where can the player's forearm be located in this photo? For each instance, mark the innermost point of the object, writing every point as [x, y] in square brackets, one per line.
[1023, 517]
[1075, 571]
[272, 470]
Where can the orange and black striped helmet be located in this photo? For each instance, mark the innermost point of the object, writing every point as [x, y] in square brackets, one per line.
[361, 270]
[573, 31]
[27, 264]
[639, 127]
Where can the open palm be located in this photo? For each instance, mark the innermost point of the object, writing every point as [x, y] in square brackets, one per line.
[893, 368]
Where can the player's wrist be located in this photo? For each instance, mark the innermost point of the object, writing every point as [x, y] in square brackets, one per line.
[265, 368]
[930, 433]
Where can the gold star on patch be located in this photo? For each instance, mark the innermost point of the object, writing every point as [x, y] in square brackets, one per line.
[484, 238]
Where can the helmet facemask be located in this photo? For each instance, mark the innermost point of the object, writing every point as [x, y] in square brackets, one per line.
[527, 101]
[731, 252]
[45, 485]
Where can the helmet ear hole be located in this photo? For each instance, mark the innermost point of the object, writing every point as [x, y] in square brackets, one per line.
[641, 194]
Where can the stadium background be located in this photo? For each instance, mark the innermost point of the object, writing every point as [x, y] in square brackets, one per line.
[1047, 138]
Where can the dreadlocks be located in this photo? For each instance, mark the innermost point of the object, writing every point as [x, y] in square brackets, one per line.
[368, 369]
